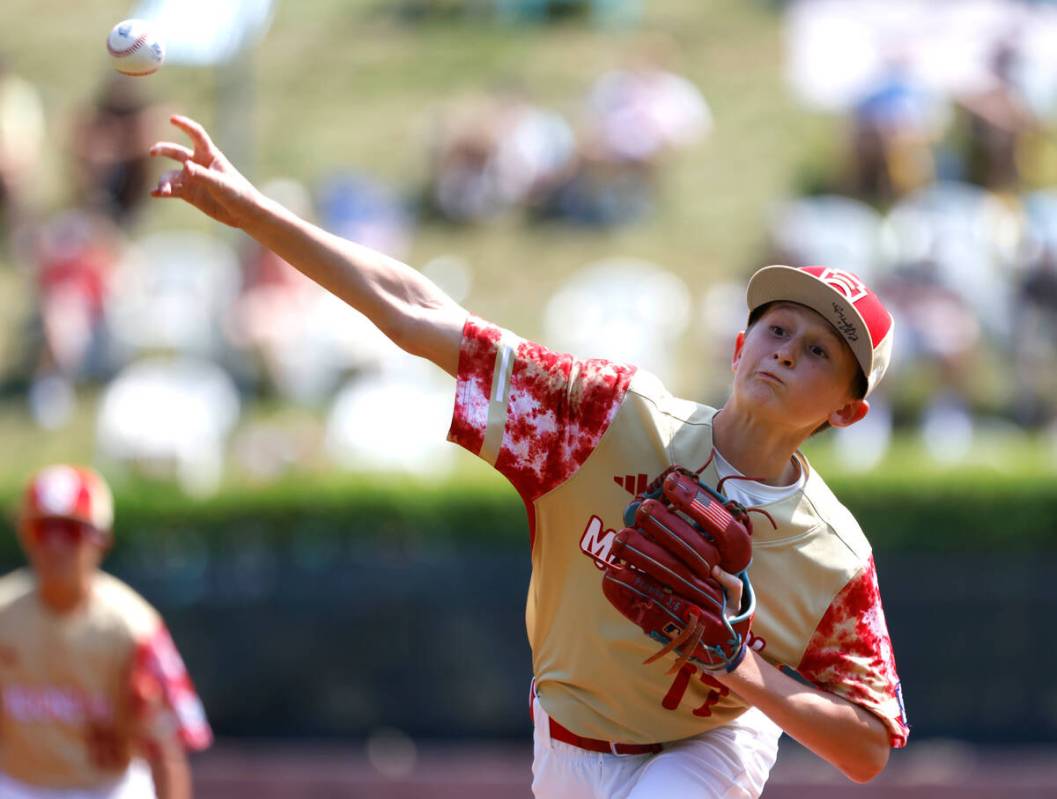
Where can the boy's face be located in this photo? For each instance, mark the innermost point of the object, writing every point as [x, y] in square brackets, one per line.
[793, 368]
[63, 552]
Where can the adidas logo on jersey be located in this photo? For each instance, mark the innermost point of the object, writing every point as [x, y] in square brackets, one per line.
[634, 484]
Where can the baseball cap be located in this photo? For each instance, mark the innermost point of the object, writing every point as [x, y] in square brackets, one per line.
[69, 492]
[854, 310]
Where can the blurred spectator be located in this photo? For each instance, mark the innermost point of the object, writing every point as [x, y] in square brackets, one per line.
[939, 340]
[969, 237]
[492, 154]
[893, 128]
[1035, 342]
[367, 211]
[301, 340]
[599, 12]
[274, 300]
[110, 139]
[75, 253]
[634, 119]
[642, 112]
[21, 136]
[997, 119]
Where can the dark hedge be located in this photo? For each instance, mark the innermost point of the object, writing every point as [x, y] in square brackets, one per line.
[971, 513]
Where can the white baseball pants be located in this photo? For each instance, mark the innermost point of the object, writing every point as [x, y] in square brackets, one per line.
[136, 783]
[731, 762]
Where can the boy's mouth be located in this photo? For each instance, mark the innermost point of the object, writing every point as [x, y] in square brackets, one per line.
[769, 376]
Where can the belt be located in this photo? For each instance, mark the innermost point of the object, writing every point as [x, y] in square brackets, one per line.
[560, 733]
[567, 736]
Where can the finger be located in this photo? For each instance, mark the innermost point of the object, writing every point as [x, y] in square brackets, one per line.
[167, 149]
[730, 582]
[732, 589]
[166, 184]
[195, 131]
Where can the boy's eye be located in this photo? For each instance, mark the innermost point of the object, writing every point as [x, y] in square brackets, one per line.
[818, 351]
[777, 330]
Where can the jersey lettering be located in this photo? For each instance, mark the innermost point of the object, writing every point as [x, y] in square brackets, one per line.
[719, 690]
[42, 704]
[677, 689]
[597, 544]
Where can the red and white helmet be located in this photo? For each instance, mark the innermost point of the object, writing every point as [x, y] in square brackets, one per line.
[69, 492]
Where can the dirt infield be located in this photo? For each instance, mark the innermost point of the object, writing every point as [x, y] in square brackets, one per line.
[395, 768]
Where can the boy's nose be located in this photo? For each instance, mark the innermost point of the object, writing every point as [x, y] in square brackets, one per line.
[784, 355]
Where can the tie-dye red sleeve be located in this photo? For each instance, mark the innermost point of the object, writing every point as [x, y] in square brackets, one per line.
[850, 654]
[163, 698]
[555, 407]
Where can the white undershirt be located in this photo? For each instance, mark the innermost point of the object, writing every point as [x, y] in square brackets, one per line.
[750, 493]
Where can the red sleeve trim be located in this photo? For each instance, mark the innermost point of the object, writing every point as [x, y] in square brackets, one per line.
[161, 686]
[557, 407]
[850, 654]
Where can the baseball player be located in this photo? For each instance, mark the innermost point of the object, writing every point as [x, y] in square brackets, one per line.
[95, 702]
[578, 439]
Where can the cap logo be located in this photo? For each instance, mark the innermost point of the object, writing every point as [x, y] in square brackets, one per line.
[57, 491]
[845, 283]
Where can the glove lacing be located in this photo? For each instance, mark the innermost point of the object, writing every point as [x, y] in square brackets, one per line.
[690, 636]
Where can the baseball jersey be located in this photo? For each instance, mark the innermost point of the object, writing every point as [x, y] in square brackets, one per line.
[577, 439]
[79, 692]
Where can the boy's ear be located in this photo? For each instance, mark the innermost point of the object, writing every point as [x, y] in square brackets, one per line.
[739, 344]
[849, 413]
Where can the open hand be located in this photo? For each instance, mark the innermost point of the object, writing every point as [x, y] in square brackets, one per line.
[207, 180]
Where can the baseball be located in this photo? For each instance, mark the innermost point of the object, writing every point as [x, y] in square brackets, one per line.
[135, 48]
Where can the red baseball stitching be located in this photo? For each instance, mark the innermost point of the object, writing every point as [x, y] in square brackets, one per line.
[140, 41]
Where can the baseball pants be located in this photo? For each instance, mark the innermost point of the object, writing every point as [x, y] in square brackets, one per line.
[136, 783]
[730, 762]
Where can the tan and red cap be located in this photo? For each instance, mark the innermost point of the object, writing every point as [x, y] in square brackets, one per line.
[69, 492]
[854, 310]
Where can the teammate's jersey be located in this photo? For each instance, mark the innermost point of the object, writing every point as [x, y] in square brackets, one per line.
[578, 438]
[79, 692]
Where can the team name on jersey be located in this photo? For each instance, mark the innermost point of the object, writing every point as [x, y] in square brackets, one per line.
[31, 703]
[597, 542]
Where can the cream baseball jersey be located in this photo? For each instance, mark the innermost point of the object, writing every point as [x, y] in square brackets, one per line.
[577, 439]
[80, 692]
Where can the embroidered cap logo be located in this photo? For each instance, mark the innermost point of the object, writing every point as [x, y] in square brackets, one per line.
[845, 283]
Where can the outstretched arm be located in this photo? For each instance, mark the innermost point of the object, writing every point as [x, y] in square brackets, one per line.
[407, 307]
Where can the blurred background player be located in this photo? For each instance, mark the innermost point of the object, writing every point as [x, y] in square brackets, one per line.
[95, 702]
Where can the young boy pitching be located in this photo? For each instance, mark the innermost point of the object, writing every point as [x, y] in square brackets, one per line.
[95, 702]
[580, 439]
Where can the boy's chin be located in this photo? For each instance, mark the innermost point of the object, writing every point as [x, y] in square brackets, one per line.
[771, 407]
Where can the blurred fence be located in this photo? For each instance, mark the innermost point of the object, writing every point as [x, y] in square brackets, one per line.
[432, 644]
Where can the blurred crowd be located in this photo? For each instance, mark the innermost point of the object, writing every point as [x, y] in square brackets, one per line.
[503, 152]
[179, 330]
[939, 196]
[943, 196]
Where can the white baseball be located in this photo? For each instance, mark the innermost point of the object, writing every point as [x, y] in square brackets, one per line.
[135, 48]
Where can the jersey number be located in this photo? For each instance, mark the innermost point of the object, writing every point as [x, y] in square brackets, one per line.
[674, 697]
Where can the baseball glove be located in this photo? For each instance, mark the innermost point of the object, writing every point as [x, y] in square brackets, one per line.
[660, 575]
